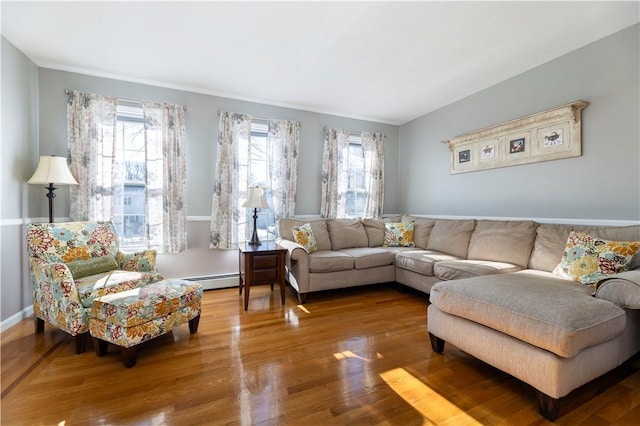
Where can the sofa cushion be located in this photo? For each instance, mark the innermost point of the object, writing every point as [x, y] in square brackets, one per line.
[318, 226]
[550, 313]
[330, 261]
[347, 233]
[458, 269]
[303, 235]
[451, 236]
[94, 286]
[92, 266]
[551, 240]
[375, 231]
[370, 257]
[420, 261]
[398, 234]
[422, 227]
[588, 259]
[502, 241]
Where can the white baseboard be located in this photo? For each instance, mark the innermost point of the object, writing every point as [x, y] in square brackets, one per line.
[14, 319]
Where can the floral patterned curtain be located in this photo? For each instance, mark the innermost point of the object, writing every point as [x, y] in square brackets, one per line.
[283, 141]
[91, 126]
[224, 211]
[335, 169]
[91, 130]
[335, 173]
[373, 148]
[166, 177]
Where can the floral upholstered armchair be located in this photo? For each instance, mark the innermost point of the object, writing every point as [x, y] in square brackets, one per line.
[73, 263]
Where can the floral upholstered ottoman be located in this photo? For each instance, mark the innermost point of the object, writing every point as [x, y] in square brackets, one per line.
[131, 317]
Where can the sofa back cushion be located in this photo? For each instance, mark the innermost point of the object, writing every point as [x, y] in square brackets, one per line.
[422, 227]
[551, 240]
[503, 241]
[347, 233]
[70, 241]
[375, 231]
[318, 227]
[451, 236]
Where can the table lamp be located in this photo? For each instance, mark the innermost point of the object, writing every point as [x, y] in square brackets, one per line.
[255, 200]
[52, 170]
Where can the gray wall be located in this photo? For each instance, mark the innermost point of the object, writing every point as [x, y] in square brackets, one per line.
[601, 184]
[18, 160]
[41, 91]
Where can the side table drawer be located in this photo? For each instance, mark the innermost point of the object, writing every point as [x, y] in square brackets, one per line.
[265, 262]
[265, 276]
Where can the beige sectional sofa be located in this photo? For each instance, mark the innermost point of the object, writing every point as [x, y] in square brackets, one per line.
[493, 292]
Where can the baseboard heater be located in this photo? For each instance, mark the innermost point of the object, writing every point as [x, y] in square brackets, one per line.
[212, 282]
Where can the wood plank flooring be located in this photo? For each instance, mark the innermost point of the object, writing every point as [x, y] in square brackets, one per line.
[349, 357]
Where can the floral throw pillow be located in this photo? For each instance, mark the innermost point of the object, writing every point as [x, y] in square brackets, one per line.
[303, 235]
[399, 234]
[588, 259]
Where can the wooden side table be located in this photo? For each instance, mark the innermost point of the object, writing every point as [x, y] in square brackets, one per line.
[263, 264]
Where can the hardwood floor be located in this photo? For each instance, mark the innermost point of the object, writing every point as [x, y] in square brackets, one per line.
[358, 356]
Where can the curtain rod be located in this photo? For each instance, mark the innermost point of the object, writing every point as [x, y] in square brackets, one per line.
[68, 92]
[355, 132]
[257, 117]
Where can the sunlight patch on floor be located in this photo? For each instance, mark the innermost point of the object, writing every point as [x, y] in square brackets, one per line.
[435, 409]
[302, 308]
[348, 354]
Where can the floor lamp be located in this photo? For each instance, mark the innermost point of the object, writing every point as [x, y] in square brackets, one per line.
[255, 200]
[52, 170]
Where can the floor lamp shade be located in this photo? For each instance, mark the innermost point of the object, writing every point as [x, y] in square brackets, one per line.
[255, 200]
[51, 171]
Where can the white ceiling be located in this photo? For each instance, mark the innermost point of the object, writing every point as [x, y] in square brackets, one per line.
[382, 61]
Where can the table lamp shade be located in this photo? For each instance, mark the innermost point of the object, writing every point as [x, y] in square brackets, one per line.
[256, 198]
[53, 169]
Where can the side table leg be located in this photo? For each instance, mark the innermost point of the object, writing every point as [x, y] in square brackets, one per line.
[282, 291]
[246, 295]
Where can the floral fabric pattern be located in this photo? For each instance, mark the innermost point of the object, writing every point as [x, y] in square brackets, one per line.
[303, 235]
[282, 147]
[91, 128]
[335, 173]
[57, 297]
[132, 317]
[398, 234]
[588, 259]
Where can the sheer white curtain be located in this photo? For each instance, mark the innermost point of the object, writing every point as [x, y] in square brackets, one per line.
[233, 174]
[225, 212]
[283, 142]
[335, 173]
[373, 149]
[336, 166]
[91, 130]
[91, 127]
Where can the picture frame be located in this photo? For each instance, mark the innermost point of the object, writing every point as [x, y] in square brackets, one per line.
[547, 135]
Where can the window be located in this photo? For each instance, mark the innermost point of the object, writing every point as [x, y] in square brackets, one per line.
[254, 171]
[356, 190]
[130, 176]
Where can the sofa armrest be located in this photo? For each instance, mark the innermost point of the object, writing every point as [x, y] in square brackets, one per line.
[55, 297]
[139, 261]
[297, 262]
[622, 289]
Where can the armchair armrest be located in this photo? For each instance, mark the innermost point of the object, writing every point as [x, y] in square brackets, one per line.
[55, 297]
[139, 261]
[622, 289]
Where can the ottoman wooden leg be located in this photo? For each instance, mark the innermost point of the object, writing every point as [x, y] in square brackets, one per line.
[39, 325]
[193, 324]
[100, 346]
[130, 356]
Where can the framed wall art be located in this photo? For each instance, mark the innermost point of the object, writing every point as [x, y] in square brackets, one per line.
[547, 135]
